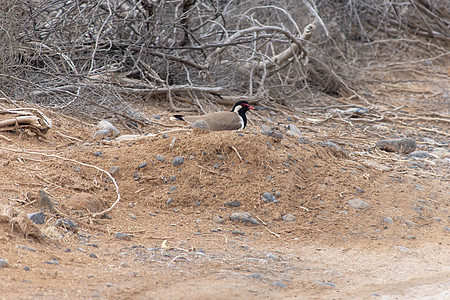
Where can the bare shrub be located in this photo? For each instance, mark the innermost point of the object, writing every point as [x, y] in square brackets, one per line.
[96, 56]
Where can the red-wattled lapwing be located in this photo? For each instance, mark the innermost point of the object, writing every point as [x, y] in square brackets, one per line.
[223, 120]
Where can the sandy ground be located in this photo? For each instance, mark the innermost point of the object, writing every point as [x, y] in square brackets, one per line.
[189, 248]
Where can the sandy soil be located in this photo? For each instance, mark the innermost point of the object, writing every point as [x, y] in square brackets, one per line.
[397, 248]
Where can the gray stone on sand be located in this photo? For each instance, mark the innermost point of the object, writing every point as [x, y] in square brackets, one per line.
[388, 220]
[68, 223]
[419, 154]
[243, 218]
[177, 161]
[37, 217]
[44, 200]
[405, 146]
[265, 129]
[269, 197]
[410, 223]
[160, 158]
[106, 125]
[3, 263]
[234, 203]
[288, 218]
[294, 131]
[278, 284]
[123, 236]
[98, 153]
[142, 165]
[237, 232]
[330, 284]
[358, 204]
[113, 169]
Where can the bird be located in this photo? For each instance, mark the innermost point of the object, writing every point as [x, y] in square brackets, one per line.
[222, 120]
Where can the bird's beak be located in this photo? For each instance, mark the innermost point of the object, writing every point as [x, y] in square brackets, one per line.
[250, 107]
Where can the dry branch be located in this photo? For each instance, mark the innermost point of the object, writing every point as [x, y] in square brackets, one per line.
[72, 54]
[25, 118]
[80, 163]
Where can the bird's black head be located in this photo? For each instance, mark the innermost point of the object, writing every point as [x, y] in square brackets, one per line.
[242, 106]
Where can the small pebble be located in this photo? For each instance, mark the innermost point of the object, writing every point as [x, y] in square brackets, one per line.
[160, 158]
[243, 218]
[156, 117]
[44, 200]
[218, 219]
[358, 204]
[269, 197]
[52, 262]
[289, 218]
[415, 164]
[279, 284]
[275, 135]
[238, 232]
[123, 236]
[359, 190]
[403, 249]
[332, 145]
[404, 146]
[178, 161]
[234, 203]
[165, 136]
[28, 248]
[37, 217]
[98, 153]
[419, 154]
[325, 283]
[388, 220]
[294, 131]
[272, 256]
[142, 165]
[113, 169]
[66, 223]
[106, 125]
[170, 200]
[3, 263]
[93, 255]
[410, 223]
[265, 129]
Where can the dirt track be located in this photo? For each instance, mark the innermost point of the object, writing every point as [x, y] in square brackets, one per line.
[395, 249]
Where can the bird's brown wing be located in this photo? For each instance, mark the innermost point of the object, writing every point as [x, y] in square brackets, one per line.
[222, 120]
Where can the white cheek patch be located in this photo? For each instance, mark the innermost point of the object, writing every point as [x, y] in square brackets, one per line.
[237, 108]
